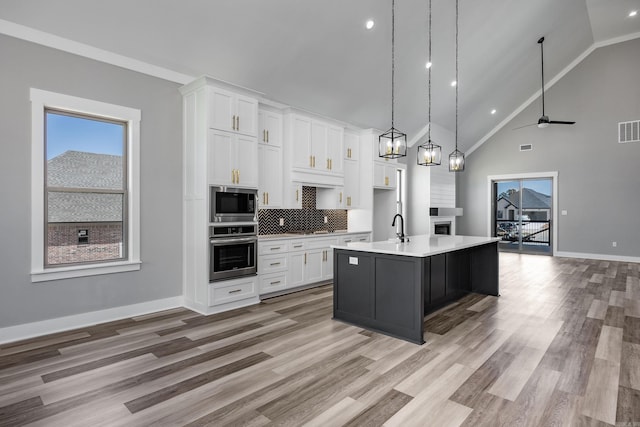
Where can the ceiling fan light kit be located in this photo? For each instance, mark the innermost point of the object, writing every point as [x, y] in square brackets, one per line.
[456, 158]
[393, 143]
[429, 154]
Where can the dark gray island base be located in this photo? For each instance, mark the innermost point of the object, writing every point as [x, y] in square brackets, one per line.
[390, 291]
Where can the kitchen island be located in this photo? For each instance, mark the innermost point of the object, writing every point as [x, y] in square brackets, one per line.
[389, 286]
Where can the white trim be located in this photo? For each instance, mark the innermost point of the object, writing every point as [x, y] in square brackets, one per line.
[66, 45]
[66, 323]
[42, 275]
[39, 100]
[549, 84]
[603, 257]
[529, 175]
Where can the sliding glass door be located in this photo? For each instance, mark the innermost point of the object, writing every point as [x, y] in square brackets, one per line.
[522, 214]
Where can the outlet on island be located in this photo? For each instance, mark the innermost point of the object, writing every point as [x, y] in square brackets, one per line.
[281, 222]
[325, 220]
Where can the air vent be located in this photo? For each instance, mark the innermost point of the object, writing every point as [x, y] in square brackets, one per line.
[629, 132]
[526, 147]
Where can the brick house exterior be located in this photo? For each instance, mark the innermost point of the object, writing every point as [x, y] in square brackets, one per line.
[84, 226]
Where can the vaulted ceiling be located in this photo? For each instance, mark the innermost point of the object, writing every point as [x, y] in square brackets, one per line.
[317, 55]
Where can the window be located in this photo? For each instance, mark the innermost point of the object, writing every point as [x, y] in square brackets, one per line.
[85, 187]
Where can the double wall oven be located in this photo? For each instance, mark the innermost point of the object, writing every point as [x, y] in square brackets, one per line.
[233, 233]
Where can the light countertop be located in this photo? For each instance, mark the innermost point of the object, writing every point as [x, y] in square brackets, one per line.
[419, 246]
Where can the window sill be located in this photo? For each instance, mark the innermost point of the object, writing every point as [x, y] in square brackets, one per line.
[84, 270]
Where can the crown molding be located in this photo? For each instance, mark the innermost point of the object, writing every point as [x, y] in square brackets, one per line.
[66, 45]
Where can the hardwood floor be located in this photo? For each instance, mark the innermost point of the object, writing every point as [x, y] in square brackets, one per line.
[560, 346]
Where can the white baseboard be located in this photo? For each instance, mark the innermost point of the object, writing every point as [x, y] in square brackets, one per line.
[602, 257]
[61, 324]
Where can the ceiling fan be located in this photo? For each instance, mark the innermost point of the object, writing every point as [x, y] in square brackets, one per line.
[544, 121]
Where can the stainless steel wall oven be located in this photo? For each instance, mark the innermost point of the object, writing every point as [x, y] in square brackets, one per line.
[233, 251]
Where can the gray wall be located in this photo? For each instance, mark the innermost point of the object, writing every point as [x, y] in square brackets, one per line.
[27, 65]
[599, 179]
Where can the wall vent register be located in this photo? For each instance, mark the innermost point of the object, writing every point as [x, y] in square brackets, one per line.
[629, 132]
[526, 147]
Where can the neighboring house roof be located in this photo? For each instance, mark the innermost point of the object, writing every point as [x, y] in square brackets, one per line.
[531, 199]
[77, 169]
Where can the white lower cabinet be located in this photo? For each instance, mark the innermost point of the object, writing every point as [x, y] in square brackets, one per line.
[273, 282]
[291, 263]
[232, 290]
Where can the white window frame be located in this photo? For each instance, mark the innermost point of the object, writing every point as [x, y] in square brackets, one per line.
[41, 99]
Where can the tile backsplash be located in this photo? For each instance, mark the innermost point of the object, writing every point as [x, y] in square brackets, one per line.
[306, 219]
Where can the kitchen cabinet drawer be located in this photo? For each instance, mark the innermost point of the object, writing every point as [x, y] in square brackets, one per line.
[366, 237]
[273, 282]
[272, 263]
[234, 290]
[297, 245]
[320, 243]
[272, 247]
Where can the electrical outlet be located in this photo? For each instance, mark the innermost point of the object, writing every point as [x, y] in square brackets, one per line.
[614, 244]
[281, 222]
[564, 212]
[325, 220]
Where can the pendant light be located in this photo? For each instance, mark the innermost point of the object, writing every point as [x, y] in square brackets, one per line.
[393, 143]
[456, 158]
[429, 154]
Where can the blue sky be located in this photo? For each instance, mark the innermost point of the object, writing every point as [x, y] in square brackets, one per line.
[540, 185]
[74, 133]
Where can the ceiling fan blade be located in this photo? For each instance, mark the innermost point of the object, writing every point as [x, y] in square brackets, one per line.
[525, 126]
[559, 122]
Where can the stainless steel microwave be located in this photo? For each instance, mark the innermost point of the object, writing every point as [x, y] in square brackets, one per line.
[233, 204]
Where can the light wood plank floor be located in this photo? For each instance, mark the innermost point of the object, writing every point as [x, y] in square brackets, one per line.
[560, 346]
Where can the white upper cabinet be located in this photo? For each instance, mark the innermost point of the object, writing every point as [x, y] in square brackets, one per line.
[233, 112]
[270, 173]
[351, 184]
[270, 128]
[335, 138]
[351, 146]
[232, 159]
[384, 175]
[301, 142]
[316, 145]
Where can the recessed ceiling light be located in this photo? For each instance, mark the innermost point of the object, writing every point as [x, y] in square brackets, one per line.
[429, 64]
[633, 13]
[454, 83]
[369, 25]
[493, 111]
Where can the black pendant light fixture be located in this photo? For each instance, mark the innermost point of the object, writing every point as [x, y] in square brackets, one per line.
[393, 143]
[456, 158]
[429, 154]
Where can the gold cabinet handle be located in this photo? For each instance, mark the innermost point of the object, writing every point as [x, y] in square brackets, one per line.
[327, 163]
[237, 176]
[341, 197]
[349, 201]
[267, 136]
[267, 198]
[237, 122]
[297, 193]
[386, 180]
[264, 199]
[275, 283]
[264, 135]
[235, 291]
[233, 122]
[305, 257]
[233, 176]
[310, 161]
